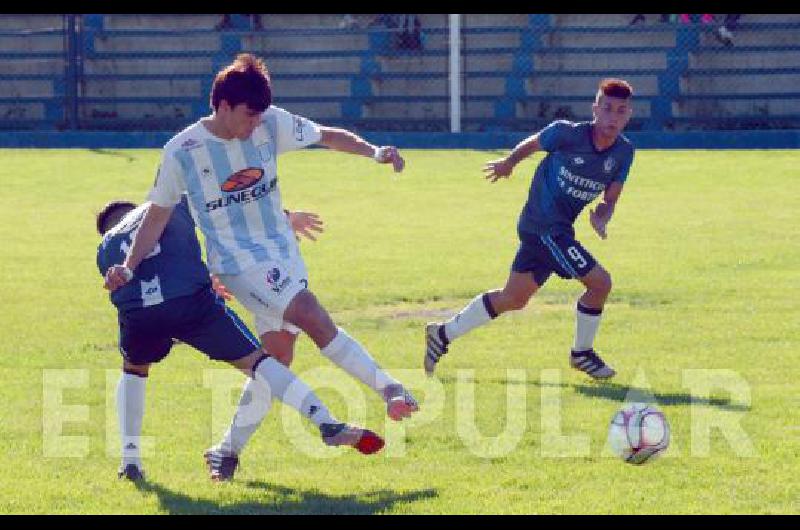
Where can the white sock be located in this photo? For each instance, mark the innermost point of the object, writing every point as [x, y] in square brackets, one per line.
[587, 320]
[254, 404]
[130, 412]
[476, 313]
[281, 383]
[351, 357]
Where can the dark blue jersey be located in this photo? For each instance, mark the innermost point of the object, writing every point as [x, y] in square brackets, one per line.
[571, 176]
[173, 269]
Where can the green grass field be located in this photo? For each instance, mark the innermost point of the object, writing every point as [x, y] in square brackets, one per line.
[704, 251]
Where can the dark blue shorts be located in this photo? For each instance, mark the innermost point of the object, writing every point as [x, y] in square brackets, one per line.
[545, 254]
[201, 320]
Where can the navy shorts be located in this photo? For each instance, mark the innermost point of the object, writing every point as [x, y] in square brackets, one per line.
[200, 320]
[545, 254]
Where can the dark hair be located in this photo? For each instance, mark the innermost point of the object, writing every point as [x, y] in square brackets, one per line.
[615, 88]
[108, 210]
[245, 80]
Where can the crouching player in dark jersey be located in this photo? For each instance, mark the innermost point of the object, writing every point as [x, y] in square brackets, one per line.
[171, 297]
[584, 161]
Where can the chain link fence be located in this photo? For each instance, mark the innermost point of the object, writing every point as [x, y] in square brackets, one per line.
[35, 71]
[394, 72]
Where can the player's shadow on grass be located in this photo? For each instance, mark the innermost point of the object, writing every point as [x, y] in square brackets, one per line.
[617, 392]
[111, 152]
[621, 393]
[279, 499]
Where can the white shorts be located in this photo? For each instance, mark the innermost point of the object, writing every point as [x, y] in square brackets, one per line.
[266, 289]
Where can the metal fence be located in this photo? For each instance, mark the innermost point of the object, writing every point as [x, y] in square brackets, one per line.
[424, 72]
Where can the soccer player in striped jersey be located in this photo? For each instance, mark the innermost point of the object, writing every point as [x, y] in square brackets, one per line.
[584, 161]
[227, 165]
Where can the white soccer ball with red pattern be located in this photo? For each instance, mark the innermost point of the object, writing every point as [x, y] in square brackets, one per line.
[638, 433]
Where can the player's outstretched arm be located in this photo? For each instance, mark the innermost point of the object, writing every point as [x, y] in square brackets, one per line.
[502, 167]
[600, 216]
[153, 224]
[348, 142]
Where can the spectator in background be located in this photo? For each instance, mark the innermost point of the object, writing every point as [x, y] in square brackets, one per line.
[410, 37]
[641, 18]
[688, 19]
[725, 32]
[406, 30]
[348, 22]
[225, 23]
[387, 21]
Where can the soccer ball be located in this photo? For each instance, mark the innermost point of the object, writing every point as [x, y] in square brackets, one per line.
[638, 433]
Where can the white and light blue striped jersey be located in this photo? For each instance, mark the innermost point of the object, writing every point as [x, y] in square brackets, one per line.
[232, 186]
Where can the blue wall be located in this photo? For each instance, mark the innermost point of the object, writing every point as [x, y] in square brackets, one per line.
[787, 139]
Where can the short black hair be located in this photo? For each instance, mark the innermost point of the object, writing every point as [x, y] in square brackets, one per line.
[245, 80]
[107, 211]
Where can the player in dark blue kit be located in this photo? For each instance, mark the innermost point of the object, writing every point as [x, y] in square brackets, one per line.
[171, 297]
[584, 161]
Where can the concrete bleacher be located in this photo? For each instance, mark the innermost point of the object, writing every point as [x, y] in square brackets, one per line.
[749, 59]
[126, 114]
[505, 20]
[583, 86]
[33, 43]
[745, 110]
[519, 71]
[32, 70]
[16, 66]
[350, 65]
[416, 64]
[568, 58]
[175, 64]
[534, 71]
[323, 111]
[299, 88]
[131, 88]
[159, 22]
[757, 79]
[581, 20]
[22, 88]
[307, 21]
[144, 66]
[719, 85]
[144, 44]
[31, 22]
[599, 64]
[330, 42]
[609, 40]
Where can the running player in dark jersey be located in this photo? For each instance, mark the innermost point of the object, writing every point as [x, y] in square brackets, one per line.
[584, 161]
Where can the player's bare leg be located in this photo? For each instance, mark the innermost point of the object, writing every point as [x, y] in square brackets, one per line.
[598, 287]
[519, 289]
[587, 320]
[280, 344]
[305, 312]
